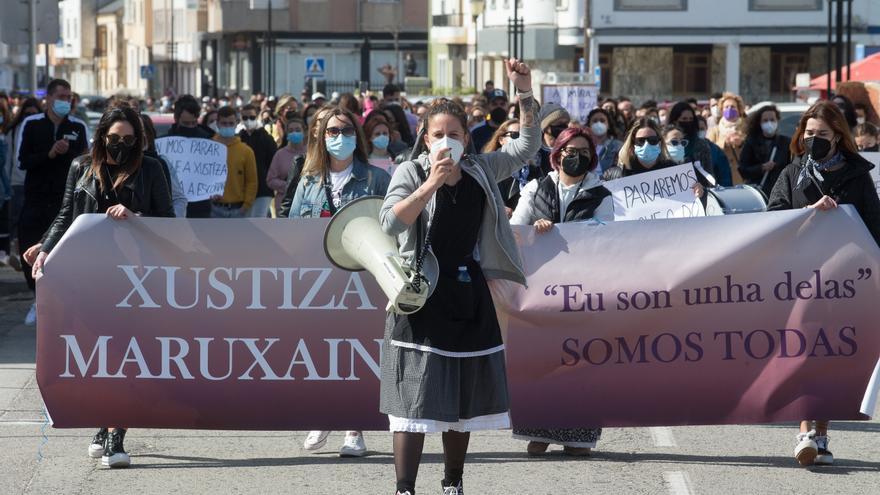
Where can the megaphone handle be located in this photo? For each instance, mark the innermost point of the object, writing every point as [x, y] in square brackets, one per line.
[422, 251]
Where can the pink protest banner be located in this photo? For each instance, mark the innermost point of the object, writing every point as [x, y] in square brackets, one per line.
[244, 324]
[753, 318]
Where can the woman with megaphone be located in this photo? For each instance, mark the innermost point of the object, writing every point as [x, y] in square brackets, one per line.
[443, 366]
[336, 172]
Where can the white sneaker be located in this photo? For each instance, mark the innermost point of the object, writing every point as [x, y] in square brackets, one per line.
[31, 318]
[806, 449]
[96, 448]
[824, 456]
[315, 440]
[353, 446]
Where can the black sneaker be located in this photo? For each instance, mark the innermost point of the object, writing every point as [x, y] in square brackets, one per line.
[115, 455]
[96, 448]
[457, 489]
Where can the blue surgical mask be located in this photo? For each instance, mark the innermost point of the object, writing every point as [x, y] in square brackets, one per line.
[341, 147]
[381, 142]
[648, 153]
[676, 153]
[61, 108]
[295, 137]
[226, 132]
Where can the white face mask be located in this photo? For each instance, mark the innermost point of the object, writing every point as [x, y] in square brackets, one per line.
[599, 128]
[251, 124]
[860, 120]
[715, 112]
[769, 127]
[456, 147]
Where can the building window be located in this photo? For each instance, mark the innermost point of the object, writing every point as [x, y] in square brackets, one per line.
[785, 4]
[650, 4]
[561, 4]
[785, 64]
[691, 70]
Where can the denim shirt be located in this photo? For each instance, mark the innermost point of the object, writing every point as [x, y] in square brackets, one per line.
[310, 198]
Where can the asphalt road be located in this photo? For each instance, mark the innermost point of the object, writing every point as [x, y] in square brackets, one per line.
[678, 460]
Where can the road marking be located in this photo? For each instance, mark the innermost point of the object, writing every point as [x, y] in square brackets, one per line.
[677, 483]
[662, 436]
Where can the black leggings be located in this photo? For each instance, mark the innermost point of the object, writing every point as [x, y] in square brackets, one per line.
[408, 455]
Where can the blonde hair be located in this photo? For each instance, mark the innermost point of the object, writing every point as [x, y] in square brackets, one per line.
[494, 144]
[317, 157]
[737, 99]
[627, 154]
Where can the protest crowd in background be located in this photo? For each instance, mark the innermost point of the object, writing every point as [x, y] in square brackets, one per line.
[305, 156]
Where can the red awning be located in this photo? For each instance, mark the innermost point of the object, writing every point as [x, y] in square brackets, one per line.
[867, 69]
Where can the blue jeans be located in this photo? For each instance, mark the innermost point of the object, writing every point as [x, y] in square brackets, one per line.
[218, 211]
[260, 208]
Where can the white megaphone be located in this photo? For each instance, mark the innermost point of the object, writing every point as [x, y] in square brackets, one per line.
[354, 241]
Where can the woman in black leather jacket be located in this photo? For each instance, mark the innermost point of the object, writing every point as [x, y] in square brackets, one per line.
[117, 179]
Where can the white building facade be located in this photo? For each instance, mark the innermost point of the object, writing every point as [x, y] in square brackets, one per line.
[649, 49]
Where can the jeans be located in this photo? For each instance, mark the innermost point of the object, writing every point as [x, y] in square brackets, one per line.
[218, 211]
[260, 208]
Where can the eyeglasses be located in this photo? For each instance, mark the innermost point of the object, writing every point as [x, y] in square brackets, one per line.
[248, 117]
[345, 131]
[511, 134]
[652, 140]
[114, 139]
[576, 151]
[676, 142]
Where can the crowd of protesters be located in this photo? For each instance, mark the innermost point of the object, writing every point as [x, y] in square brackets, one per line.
[290, 157]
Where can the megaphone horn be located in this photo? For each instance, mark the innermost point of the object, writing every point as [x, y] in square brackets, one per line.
[354, 241]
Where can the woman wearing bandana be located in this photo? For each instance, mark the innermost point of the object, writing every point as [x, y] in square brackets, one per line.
[827, 171]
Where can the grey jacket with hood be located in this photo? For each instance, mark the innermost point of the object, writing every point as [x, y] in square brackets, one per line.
[496, 248]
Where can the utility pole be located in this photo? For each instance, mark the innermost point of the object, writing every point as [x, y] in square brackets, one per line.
[848, 36]
[270, 76]
[839, 47]
[32, 41]
[828, 50]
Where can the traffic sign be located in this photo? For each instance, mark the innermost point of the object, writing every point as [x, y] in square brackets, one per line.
[148, 71]
[315, 67]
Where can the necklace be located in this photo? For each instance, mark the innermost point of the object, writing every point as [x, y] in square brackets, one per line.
[452, 191]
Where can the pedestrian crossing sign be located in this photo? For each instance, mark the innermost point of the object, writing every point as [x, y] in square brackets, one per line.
[315, 67]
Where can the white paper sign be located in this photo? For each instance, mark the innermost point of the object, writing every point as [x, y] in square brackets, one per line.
[578, 99]
[200, 165]
[874, 157]
[664, 193]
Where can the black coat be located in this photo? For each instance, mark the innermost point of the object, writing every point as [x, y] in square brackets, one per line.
[510, 187]
[582, 207]
[755, 152]
[149, 195]
[264, 150]
[852, 185]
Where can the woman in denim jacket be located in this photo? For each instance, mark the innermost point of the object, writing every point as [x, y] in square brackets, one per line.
[337, 172]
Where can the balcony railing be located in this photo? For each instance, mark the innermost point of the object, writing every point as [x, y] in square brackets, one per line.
[448, 20]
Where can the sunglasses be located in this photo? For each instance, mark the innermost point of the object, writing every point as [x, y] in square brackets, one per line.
[653, 140]
[248, 117]
[676, 142]
[345, 131]
[511, 134]
[114, 139]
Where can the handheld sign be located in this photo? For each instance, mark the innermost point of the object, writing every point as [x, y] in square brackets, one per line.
[577, 99]
[874, 157]
[200, 165]
[664, 193]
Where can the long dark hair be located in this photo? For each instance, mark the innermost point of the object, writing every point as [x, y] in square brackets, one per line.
[824, 110]
[753, 129]
[149, 132]
[20, 116]
[848, 110]
[402, 123]
[122, 112]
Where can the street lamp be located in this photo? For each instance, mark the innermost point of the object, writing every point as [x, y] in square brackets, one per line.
[477, 8]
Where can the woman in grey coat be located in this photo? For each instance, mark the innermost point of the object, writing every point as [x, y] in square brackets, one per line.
[443, 366]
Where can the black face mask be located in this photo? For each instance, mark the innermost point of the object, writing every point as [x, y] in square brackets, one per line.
[690, 128]
[575, 166]
[120, 152]
[556, 130]
[498, 116]
[817, 147]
